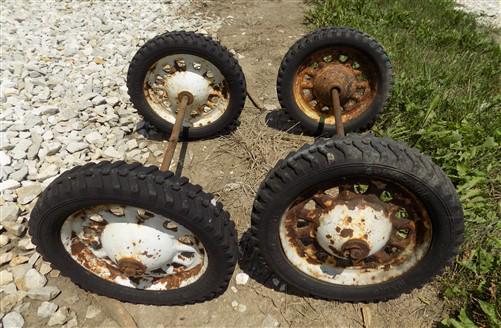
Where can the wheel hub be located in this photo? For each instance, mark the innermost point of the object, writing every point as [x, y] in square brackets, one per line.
[354, 231]
[334, 76]
[191, 82]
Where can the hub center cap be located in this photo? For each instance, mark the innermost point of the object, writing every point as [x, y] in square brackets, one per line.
[354, 231]
[334, 76]
[192, 82]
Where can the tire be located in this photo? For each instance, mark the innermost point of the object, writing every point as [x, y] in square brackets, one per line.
[193, 44]
[148, 188]
[355, 156]
[334, 37]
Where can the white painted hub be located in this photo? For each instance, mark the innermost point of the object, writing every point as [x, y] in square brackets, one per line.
[192, 82]
[154, 248]
[341, 224]
[98, 238]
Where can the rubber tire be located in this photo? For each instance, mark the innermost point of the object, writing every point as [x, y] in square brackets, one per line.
[148, 188]
[194, 44]
[326, 37]
[357, 156]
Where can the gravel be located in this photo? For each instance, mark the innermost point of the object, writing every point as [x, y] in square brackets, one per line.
[489, 10]
[64, 103]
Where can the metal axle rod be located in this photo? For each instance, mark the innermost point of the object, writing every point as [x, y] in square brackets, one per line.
[336, 106]
[185, 98]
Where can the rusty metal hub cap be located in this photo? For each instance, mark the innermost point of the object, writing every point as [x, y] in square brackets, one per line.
[345, 69]
[358, 233]
[133, 247]
[175, 73]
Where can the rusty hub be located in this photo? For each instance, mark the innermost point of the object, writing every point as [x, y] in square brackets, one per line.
[334, 76]
[347, 254]
[356, 249]
[346, 69]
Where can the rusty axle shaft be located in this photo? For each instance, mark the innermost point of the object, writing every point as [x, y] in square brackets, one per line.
[185, 98]
[336, 106]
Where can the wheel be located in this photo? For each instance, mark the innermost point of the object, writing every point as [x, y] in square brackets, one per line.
[357, 219]
[135, 234]
[342, 58]
[186, 61]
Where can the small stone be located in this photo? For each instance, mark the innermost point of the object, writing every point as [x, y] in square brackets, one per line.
[21, 148]
[131, 144]
[112, 101]
[231, 186]
[76, 146]
[5, 277]
[45, 268]
[46, 309]
[112, 152]
[26, 244]
[18, 259]
[234, 289]
[46, 293]
[71, 300]
[92, 312]
[242, 278]
[32, 280]
[98, 100]
[10, 301]
[72, 323]
[269, 322]
[9, 185]
[52, 148]
[4, 159]
[14, 228]
[5, 258]
[242, 308]
[9, 212]
[4, 240]
[93, 137]
[13, 320]
[59, 317]
[27, 193]
[20, 174]
[46, 110]
[234, 304]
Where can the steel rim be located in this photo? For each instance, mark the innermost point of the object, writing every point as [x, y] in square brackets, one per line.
[357, 232]
[170, 75]
[355, 69]
[133, 247]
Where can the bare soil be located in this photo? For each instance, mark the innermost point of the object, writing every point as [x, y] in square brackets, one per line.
[232, 166]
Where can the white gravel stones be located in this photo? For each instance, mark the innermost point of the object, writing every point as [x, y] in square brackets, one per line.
[242, 278]
[5, 258]
[5, 277]
[32, 280]
[9, 212]
[46, 293]
[46, 309]
[9, 185]
[13, 320]
[73, 147]
[4, 158]
[28, 193]
[59, 317]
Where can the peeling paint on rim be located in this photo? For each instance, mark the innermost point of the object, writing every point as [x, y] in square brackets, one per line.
[133, 247]
[182, 72]
[312, 236]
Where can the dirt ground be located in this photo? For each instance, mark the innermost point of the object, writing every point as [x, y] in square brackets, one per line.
[232, 167]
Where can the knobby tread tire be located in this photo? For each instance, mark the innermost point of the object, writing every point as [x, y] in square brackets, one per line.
[181, 42]
[148, 188]
[322, 38]
[360, 155]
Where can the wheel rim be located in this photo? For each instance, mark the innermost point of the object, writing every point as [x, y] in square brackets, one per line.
[132, 247]
[360, 231]
[182, 72]
[349, 70]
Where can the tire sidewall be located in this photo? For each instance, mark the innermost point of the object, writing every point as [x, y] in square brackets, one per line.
[430, 264]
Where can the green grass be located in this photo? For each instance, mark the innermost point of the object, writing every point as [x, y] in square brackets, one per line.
[446, 102]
